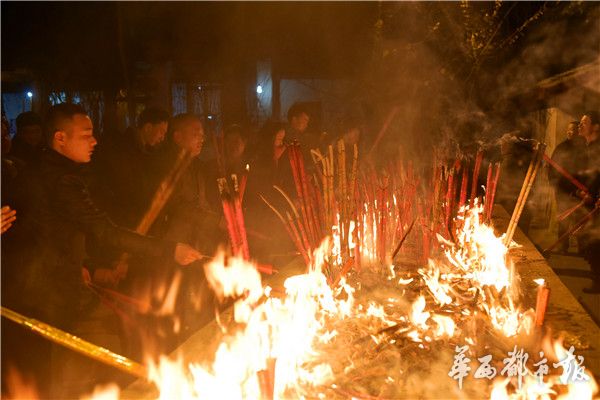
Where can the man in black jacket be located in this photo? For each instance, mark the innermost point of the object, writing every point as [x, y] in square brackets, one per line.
[46, 280]
[127, 168]
[28, 143]
[589, 128]
[571, 155]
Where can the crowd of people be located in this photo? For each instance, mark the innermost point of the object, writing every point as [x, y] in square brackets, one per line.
[72, 208]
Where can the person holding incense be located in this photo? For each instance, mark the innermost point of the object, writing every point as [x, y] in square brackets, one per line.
[127, 167]
[235, 161]
[125, 175]
[52, 286]
[189, 216]
[589, 129]
[570, 155]
[186, 217]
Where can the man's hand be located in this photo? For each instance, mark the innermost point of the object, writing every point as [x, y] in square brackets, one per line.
[587, 199]
[8, 217]
[185, 254]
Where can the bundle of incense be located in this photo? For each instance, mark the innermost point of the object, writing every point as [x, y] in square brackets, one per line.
[331, 187]
[488, 187]
[160, 199]
[353, 174]
[342, 177]
[291, 230]
[318, 200]
[358, 236]
[308, 198]
[463, 188]
[296, 225]
[291, 150]
[322, 166]
[239, 217]
[384, 212]
[77, 344]
[543, 295]
[379, 227]
[477, 166]
[492, 192]
[315, 208]
[301, 183]
[437, 179]
[534, 166]
[449, 198]
[243, 182]
[234, 217]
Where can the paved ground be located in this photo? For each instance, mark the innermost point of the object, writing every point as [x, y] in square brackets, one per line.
[575, 273]
[573, 270]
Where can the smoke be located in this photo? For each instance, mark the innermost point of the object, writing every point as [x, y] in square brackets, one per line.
[457, 99]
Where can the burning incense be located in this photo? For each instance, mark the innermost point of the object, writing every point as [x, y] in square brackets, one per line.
[463, 188]
[543, 294]
[534, 166]
[488, 187]
[266, 379]
[291, 230]
[241, 226]
[492, 192]
[229, 216]
[478, 159]
[353, 174]
[449, 198]
[160, 199]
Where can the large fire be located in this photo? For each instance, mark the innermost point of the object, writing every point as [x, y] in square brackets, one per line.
[386, 331]
[325, 341]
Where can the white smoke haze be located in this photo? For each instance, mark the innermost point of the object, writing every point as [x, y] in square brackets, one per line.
[459, 102]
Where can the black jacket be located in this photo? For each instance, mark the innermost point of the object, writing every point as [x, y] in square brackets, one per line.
[188, 217]
[47, 282]
[571, 155]
[126, 176]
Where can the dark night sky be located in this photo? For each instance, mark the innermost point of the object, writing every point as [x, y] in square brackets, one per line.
[63, 41]
[78, 42]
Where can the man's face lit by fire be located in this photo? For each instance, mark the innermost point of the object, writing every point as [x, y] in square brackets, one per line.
[300, 122]
[572, 130]
[585, 126]
[190, 137]
[154, 134]
[76, 141]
